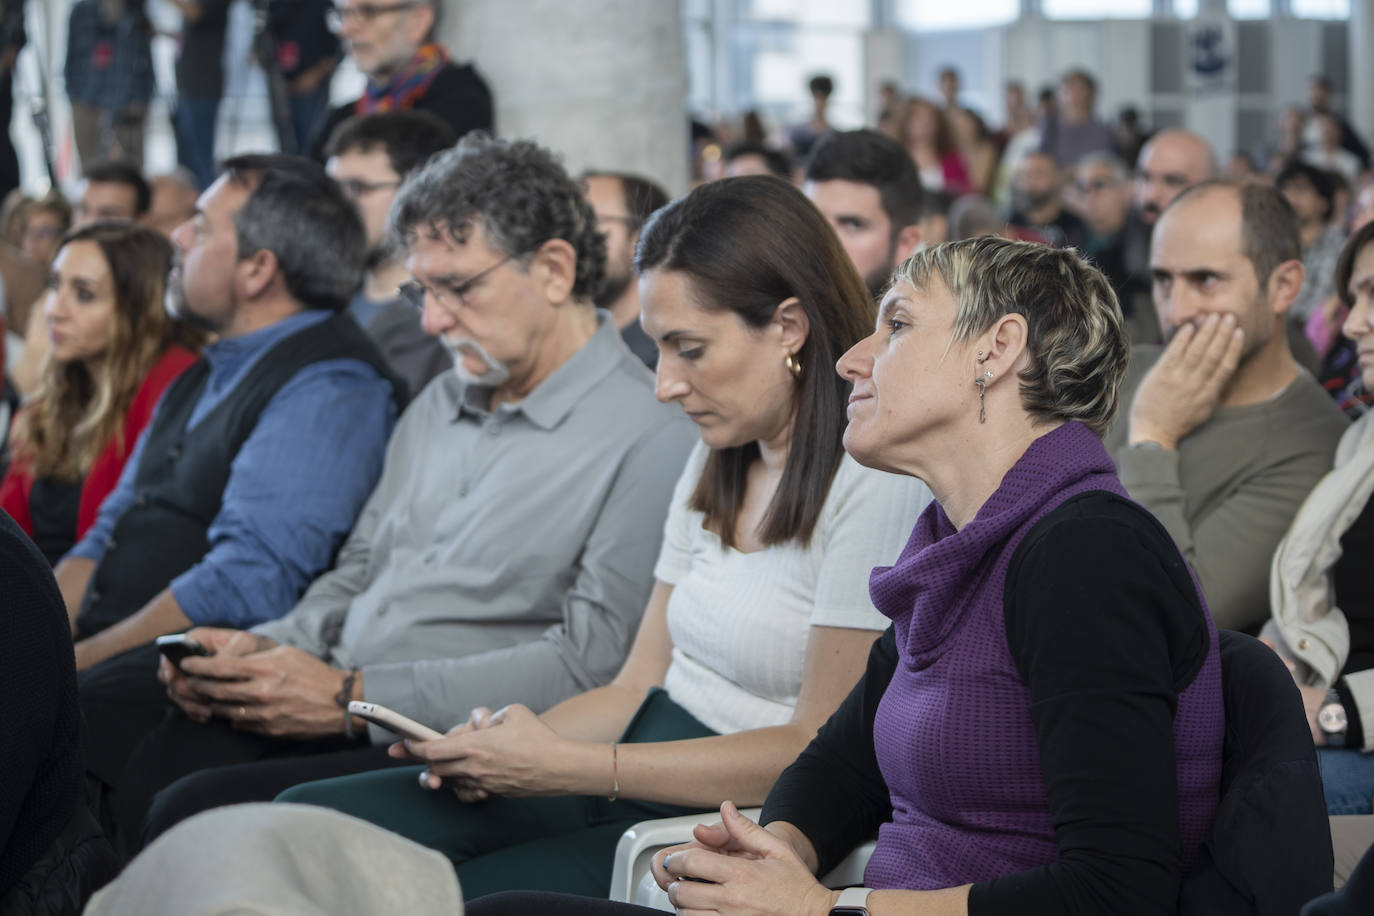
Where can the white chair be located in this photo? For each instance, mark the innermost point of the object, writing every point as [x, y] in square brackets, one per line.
[633, 882]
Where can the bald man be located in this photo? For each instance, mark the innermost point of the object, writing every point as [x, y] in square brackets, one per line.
[1171, 162]
[1221, 434]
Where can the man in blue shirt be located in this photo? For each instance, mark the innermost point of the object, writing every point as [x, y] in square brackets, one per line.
[260, 456]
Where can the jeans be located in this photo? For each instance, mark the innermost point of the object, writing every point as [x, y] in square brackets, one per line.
[195, 130]
[307, 112]
[1348, 779]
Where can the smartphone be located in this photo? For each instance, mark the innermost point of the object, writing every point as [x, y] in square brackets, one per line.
[392, 721]
[178, 646]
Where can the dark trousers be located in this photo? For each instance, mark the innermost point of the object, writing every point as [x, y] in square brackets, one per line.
[194, 123]
[563, 843]
[518, 903]
[141, 743]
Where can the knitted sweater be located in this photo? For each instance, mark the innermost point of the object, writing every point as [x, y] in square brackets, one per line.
[954, 733]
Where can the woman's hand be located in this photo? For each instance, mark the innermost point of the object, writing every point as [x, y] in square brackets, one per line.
[1313, 698]
[509, 752]
[737, 867]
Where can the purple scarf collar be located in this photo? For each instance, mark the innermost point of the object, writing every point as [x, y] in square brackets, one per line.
[927, 591]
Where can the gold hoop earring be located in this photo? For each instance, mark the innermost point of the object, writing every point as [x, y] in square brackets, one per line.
[793, 365]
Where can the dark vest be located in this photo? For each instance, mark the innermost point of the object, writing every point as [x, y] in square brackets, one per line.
[182, 474]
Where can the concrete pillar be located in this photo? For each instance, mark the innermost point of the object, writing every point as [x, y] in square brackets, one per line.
[603, 82]
[1360, 35]
[882, 61]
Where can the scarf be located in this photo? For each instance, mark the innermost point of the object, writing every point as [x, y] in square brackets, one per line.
[405, 88]
[941, 570]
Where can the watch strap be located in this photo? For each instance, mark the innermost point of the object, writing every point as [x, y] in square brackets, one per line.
[1334, 737]
[853, 902]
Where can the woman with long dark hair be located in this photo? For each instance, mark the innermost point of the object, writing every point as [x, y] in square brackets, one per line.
[114, 349]
[759, 620]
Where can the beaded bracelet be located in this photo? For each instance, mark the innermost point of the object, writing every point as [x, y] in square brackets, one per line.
[343, 696]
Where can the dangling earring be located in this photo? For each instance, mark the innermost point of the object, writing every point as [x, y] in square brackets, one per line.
[982, 391]
[793, 365]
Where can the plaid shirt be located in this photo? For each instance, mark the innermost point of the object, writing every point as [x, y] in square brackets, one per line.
[109, 64]
[1320, 282]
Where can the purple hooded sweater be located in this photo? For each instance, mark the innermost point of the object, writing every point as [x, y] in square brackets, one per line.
[953, 733]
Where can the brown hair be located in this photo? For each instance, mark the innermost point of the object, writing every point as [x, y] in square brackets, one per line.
[1345, 265]
[72, 416]
[944, 135]
[1269, 231]
[748, 244]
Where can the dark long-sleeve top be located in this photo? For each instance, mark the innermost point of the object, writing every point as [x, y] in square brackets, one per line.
[458, 96]
[1104, 687]
[40, 756]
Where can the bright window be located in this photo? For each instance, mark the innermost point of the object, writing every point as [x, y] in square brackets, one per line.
[1249, 9]
[1097, 9]
[1320, 9]
[812, 12]
[935, 15]
[1185, 9]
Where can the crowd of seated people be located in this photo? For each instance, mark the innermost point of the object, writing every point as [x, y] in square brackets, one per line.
[622, 495]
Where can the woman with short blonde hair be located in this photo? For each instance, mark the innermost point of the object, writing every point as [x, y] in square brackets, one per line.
[1040, 730]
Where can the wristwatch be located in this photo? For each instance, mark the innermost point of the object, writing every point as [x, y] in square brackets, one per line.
[853, 902]
[1331, 719]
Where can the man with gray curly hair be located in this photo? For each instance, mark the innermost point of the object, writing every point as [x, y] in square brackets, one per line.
[507, 552]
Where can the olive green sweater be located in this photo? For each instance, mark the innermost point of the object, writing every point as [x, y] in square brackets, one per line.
[1229, 492]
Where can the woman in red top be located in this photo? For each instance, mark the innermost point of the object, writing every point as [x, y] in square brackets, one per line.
[114, 350]
[929, 139]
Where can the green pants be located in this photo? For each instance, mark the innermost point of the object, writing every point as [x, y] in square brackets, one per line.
[562, 844]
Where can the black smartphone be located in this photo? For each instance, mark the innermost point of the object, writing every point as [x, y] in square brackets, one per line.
[178, 646]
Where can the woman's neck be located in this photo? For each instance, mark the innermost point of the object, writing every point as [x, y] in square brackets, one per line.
[773, 449]
[1310, 232]
[968, 477]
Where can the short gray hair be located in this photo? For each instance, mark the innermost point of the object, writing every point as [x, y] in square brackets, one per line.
[300, 214]
[1121, 173]
[1076, 338]
[520, 192]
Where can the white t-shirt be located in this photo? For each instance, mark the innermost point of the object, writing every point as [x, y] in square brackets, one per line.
[740, 621]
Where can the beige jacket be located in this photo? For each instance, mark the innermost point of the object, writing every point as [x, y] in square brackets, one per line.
[1306, 626]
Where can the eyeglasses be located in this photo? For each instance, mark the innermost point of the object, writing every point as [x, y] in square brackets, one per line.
[355, 188]
[1097, 184]
[413, 293]
[337, 16]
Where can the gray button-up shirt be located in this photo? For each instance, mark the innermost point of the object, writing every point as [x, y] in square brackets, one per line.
[505, 556]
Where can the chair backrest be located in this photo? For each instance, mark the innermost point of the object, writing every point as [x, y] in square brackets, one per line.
[1269, 849]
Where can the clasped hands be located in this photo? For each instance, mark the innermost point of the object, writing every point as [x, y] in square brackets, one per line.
[737, 867]
[256, 684]
[1182, 390]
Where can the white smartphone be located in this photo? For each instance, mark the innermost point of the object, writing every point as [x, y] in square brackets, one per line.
[392, 721]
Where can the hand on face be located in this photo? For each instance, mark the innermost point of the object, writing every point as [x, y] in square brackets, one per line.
[1183, 389]
[479, 759]
[737, 867]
